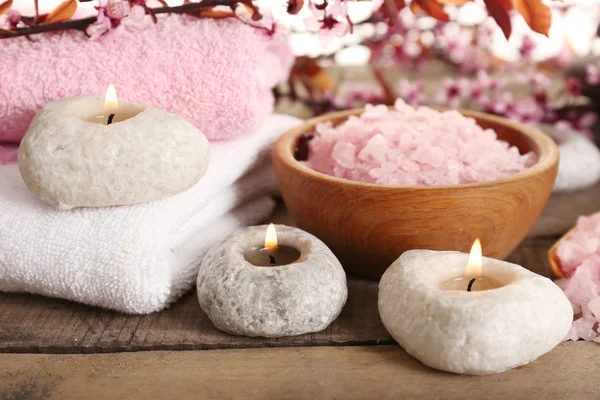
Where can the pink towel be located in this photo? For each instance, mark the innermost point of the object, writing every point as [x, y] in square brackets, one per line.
[217, 73]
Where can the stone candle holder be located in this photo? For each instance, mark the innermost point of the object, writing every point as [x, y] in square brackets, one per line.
[511, 317]
[72, 157]
[243, 298]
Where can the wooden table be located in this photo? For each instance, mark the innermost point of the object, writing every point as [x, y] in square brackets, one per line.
[74, 351]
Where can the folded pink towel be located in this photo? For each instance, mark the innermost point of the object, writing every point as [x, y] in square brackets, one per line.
[217, 73]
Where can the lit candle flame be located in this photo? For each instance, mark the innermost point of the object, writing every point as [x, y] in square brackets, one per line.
[111, 104]
[271, 239]
[475, 261]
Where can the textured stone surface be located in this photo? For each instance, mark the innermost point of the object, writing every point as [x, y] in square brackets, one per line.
[67, 160]
[302, 297]
[579, 166]
[471, 332]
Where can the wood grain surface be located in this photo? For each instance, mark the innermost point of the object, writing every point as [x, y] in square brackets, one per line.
[563, 209]
[368, 226]
[35, 324]
[570, 371]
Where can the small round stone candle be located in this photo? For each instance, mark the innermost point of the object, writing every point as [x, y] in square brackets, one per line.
[271, 281]
[94, 152]
[509, 318]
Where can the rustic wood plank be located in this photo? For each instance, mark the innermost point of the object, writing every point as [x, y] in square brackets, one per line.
[376, 372]
[38, 324]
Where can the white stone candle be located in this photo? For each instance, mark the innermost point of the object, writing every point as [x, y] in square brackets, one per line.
[245, 292]
[72, 156]
[510, 317]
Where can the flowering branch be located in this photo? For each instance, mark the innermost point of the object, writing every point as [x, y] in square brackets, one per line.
[330, 17]
[32, 27]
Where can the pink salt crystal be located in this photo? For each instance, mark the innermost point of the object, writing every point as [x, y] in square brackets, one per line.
[409, 146]
[594, 306]
[583, 329]
[579, 256]
[344, 154]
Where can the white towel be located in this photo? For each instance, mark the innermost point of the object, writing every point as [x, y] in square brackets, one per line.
[136, 259]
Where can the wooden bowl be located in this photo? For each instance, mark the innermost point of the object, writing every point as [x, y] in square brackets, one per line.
[553, 259]
[368, 226]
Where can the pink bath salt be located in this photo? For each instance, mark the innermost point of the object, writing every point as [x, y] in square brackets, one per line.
[582, 243]
[408, 146]
[582, 329]
[579, 256]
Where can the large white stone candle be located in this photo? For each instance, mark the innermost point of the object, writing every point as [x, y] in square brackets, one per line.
[94, 152]
[247, 289]
[509, 317]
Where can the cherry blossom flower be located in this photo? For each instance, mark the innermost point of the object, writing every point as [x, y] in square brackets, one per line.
[504, 104]
[527, 47]
[328, 28]
[357, 94]
[411, 93]
[574, 86]
[527, 110]
[453, 91]
[592, 74]
[581, 124]
[14, 18]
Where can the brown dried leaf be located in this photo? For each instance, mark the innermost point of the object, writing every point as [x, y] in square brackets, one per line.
[505, 4]
[5, 7]
[415, 7]
[434, 9]
[500, 15]
[212, 12]
[454, 2]
[294, 6]
[309, 72]
[537, 15]
[63, 12]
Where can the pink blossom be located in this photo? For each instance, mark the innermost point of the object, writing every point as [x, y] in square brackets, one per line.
[527, 111]
[582, 124]
[328, 27]
[527, 47]
[484, 82]
[110, 14]
[334, 8]
[453, 92]
[592, 74]
[459, 46]
[14, 18]
[137, 12]
[574, 86]
[357, 94]
[504, 104]
[539, 80]
[411, 93]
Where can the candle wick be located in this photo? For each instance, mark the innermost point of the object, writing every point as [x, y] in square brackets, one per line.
[272, 259]
[471, 282]
[110, 119]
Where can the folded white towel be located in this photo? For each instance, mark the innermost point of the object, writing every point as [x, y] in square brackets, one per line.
[136, 259]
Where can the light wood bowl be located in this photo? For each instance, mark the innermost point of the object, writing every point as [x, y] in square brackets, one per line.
[553, 259]
[369, 226]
